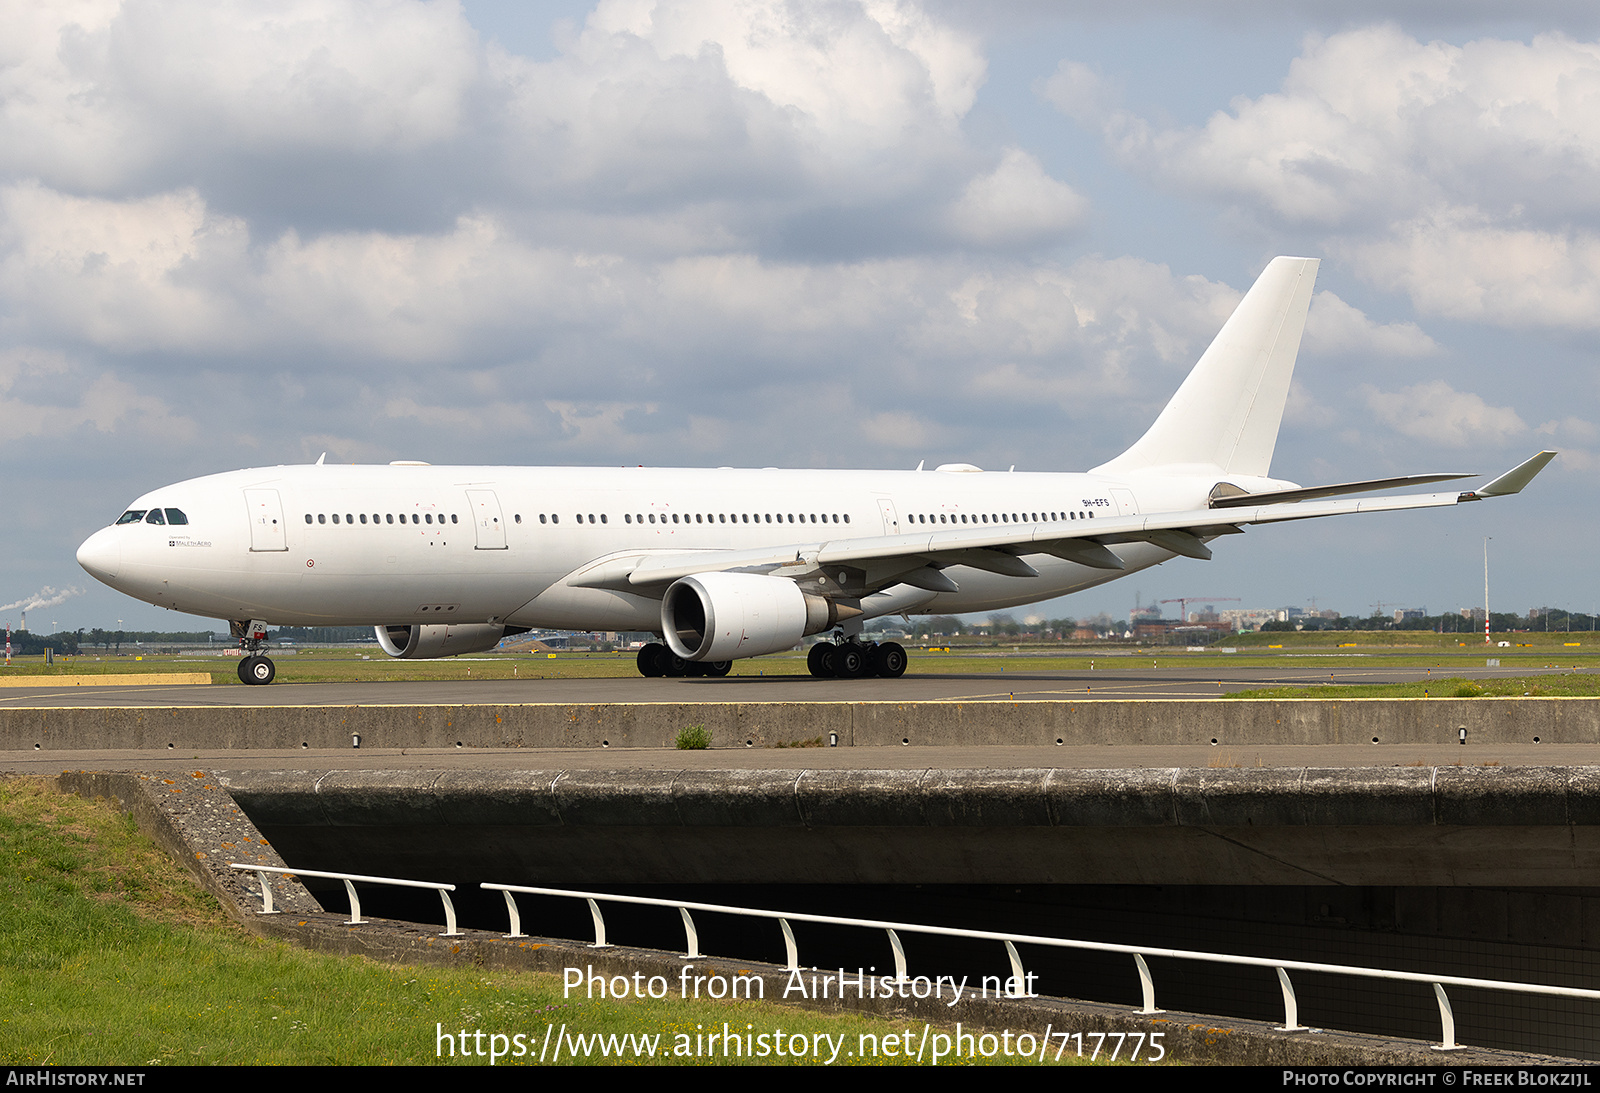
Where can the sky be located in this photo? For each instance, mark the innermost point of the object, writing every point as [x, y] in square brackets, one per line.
[862, 233]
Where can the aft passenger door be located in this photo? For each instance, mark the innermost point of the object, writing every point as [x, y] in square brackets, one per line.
[266, 520]
[486, 521]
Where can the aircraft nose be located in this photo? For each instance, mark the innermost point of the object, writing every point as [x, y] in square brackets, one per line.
[101, 555]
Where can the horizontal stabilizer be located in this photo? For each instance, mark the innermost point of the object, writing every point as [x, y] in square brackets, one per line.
[1239, 500]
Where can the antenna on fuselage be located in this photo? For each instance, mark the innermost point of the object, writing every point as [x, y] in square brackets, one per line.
[321, 457]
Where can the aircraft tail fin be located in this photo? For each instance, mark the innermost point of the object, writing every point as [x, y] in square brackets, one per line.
[1227, 412]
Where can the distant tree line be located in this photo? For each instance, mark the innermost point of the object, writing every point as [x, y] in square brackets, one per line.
[1553, 620]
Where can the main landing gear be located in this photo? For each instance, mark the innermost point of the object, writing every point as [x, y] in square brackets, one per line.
[855, 660]
[657, 661]
[254, 669]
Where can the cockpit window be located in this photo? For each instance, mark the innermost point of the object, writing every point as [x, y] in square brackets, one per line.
[132, 516]
[176, 516]
[155, 517]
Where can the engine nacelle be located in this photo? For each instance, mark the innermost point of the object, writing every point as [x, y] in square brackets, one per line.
[444, 640]
[726, 616]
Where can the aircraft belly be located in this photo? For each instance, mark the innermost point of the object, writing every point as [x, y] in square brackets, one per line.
[562, 607]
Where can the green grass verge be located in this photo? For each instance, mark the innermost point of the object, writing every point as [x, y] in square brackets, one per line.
[310, 664]
[1543, 686]
[111, 955]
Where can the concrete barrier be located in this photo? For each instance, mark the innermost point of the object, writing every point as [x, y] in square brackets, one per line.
[764, 724]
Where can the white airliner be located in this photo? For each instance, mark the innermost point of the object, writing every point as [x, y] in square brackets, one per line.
[729, 563]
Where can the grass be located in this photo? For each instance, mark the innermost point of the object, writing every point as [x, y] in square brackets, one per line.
[693, 738]
[1544, 686]
[111, 955]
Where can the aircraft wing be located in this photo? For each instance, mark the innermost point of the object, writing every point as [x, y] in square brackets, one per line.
[917, 557]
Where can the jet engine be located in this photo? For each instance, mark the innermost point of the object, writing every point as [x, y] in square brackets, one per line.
[443, 640]
[726, 616]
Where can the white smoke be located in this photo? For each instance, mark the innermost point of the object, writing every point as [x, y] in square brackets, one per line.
[45, 597]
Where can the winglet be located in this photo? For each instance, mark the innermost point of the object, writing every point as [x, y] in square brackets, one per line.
[1513, 480]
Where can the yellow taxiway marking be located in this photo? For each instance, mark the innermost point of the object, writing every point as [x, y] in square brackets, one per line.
[153, 679]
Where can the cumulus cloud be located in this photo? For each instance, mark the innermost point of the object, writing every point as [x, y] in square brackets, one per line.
[47, 394]
[1438, 413]
[1467, 176]
[1017, 203]
[1334, 326]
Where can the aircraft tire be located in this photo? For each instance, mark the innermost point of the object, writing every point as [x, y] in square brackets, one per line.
[257, 671]
[891, 660]
[716, 669]
[850, 661]
[670, 664]
[818, 660]
[647, 661]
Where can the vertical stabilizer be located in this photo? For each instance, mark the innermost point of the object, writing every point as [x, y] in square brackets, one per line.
[1228, 411]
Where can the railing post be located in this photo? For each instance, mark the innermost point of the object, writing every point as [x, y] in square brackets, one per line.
[1147, 986]
[692, 937]
[899, 957]
[511, 910]
[789, 946]
[599, 926]
[1291, 1008]
[355, 905]
[266, 894]
[449, 915]
[1019, 980]
[1447, 1019]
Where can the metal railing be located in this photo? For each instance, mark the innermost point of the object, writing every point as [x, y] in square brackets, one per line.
[1291, 1009]
[1014, 987]
[444, 890]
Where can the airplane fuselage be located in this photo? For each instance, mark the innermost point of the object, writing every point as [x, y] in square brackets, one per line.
[414, 544]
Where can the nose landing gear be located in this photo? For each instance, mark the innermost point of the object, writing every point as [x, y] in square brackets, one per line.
[254, 669]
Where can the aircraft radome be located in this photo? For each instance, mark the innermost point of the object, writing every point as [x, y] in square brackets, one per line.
[726, 563]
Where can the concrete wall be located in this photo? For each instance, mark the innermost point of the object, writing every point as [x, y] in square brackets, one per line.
[1532, 826]
[1144, 721]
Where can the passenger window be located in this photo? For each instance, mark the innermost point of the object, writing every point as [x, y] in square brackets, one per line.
[602, 517]
[390, 518]
[847, 517]
[308, 518]
[336, 517]
[155, 517]
[132, 516]
[427, 518]
[363, 517]
[322, 518]
[541, 518]
[555, 519]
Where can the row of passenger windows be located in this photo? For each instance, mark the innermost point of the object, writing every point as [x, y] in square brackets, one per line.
[174, 516]
[737, 518]
[381, 518]
[153, 516]
[998, 517]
